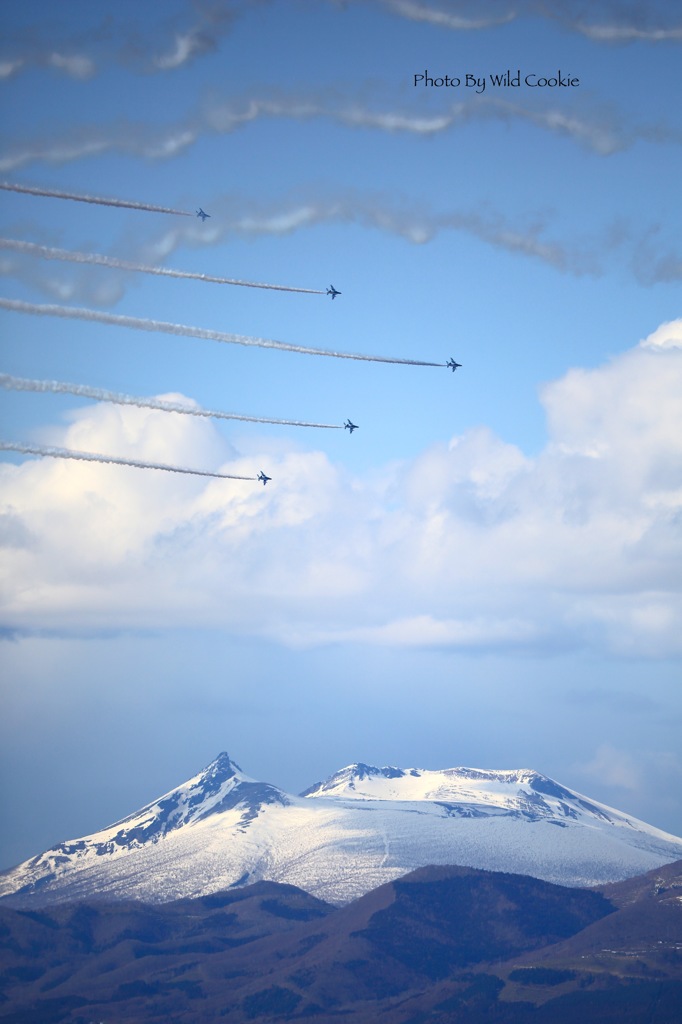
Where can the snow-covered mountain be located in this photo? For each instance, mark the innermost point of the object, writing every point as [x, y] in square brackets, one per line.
[360, 828]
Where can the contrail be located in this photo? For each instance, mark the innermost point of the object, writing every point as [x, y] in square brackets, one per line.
[183, 330]
[602, 130]
[99, 394]
[68, 453]
[418, 12]
[48, 253]
[84, 198]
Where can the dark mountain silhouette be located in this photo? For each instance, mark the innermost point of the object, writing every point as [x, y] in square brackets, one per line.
[439, 945]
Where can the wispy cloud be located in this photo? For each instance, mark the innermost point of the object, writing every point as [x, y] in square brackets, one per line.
[436, 15]
[532, 235]
[652, 266]
[10, 67]
[186, 46]
[627, 33]
[529, 236]
[608, 21]
[413, 223]
[74, 65]
[52, 45]
[603, 132]
[198, 31]
[104, 37]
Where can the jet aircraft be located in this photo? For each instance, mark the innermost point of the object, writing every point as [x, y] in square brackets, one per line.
[332, 291]
[263, 477]
[349, 425]
[200, 213]
[452, 364]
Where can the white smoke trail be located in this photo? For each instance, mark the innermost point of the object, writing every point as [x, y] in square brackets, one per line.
[68, 453]
[629, 29]
[48, 253]
[101, 395]
[413, 222]
[183, 330]
[613, 33]
[78, 197]
[601, 129]
[432, 16]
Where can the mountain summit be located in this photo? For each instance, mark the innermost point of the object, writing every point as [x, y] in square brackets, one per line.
[361, 827]
[220, 787]
[466, 792]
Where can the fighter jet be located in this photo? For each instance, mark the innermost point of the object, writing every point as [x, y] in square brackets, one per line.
[452, 364]
[200, 213]
[332, 291]
[349, 425]
[263, 477]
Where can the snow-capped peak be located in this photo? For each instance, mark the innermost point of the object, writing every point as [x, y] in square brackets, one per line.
[474, 791]
[220, 786]
[361, 827]
[347, 777]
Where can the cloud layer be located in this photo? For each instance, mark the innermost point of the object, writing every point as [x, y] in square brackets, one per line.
[471, 545]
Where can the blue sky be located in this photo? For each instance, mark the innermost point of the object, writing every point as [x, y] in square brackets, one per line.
[487, 572]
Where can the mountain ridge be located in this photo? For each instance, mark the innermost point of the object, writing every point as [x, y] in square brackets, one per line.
[344, 836]
[342, 784]
[441, 943]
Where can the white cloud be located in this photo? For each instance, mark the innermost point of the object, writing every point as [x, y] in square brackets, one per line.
[668, 335]
[74, 65]
[469, 545]
[426, 631]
